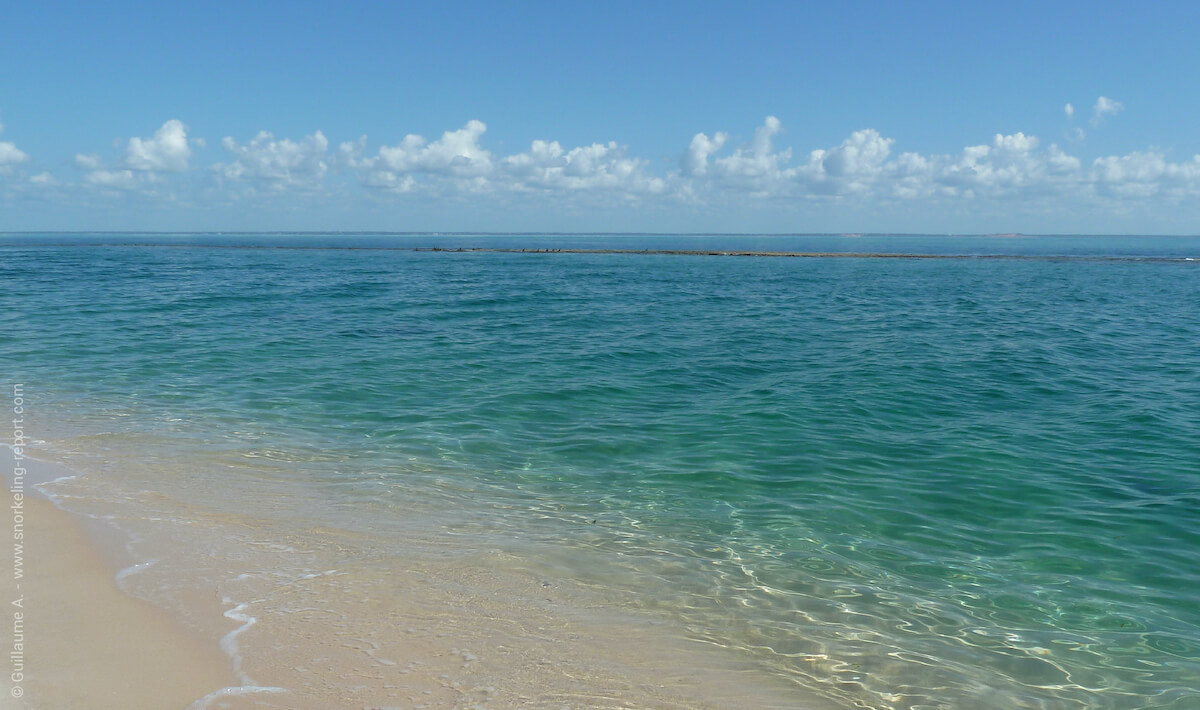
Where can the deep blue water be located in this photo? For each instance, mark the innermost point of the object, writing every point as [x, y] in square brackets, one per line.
[906, 483]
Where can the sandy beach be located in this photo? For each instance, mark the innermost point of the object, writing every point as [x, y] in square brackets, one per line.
[87, 644]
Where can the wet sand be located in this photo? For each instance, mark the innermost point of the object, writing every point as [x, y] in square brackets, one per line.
[86, 643]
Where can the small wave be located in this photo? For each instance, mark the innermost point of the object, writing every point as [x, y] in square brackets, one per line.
[229, 641]
[230, 646]
[132, 570]
[57, 500]
[203, 703]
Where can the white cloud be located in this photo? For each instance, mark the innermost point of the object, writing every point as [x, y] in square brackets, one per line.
[853, 165]
[595, 167]
[167, 151]
[115, 179]
[1069, 110]
[144, 162]
[90, 161]
[283, 162]
[1008, 165]
[1011, 166]
[1015, 171]
[390, 181]
[456, 156]
[457, 162]
[1060, 163]
[9, 154]
[533, 164]
[1015, 144]
[349, 154]
[1145, 174]
[1105, 107]
[864, 167]
[755, 163]
[695, 160]
[456, 153]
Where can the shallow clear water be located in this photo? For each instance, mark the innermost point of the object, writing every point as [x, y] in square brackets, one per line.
[902, 483]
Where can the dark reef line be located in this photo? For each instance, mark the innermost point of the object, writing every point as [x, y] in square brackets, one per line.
[804, 254]
[636, 252]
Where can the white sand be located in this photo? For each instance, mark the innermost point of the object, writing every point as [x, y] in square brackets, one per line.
[87, 645]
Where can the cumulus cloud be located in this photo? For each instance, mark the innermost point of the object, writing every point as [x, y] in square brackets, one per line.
[457, 156]
[9, 154]
[546, 165]
[116, 179]
[1105, 107]
[168, 150]
[144, 163]
[1060, 163]
[865, 168]
[457, 161]
[456, 153]
[756, 163]
[91, 161]
[1007, 167]
[1069, 110]
[282, 162]
[855, 164]
[349, 153]
[1146, 174]
[695, 160]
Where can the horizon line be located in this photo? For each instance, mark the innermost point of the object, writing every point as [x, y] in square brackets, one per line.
[428, 233]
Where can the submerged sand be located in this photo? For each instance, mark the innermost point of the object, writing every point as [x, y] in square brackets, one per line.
[472, 630]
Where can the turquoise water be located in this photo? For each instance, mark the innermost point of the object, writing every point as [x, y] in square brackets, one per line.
[901, 483]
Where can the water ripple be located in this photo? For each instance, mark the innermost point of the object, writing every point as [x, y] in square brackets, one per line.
[902, 484]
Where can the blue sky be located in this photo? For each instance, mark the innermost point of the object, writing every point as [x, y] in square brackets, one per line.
[540, 116]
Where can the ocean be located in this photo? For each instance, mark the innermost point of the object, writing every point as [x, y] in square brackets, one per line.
[893, 483]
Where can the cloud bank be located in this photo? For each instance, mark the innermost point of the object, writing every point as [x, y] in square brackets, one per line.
[714, 169]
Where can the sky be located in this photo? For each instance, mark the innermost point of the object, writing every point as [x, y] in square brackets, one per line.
[789, 117]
